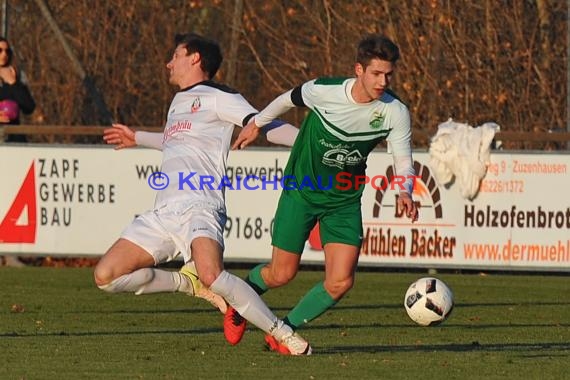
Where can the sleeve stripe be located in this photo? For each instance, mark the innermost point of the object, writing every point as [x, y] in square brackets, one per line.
[247, 119]
[297, 97]
[271, 126]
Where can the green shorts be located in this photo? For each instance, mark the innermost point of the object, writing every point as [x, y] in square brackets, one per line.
[294, 220]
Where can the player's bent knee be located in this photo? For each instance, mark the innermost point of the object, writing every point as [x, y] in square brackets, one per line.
[105, 274]
[281, 277]
[102, 276]
[208, 278]
[337, 289]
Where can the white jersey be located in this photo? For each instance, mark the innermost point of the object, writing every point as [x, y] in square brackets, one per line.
[196, 143]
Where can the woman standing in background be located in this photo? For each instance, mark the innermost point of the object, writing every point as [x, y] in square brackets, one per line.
[15, 97]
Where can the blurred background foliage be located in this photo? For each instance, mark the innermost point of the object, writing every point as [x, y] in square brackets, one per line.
[474, 61]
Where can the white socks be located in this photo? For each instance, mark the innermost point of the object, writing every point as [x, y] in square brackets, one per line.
[248, 303]
[149, 280]
[236, 292]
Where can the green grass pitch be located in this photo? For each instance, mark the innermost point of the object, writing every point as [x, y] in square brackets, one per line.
[55, 324]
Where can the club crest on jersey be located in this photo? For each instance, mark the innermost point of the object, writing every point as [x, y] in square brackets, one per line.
[195, 105]
[377, 120]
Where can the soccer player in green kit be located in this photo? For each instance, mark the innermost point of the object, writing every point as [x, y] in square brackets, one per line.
[348, 117]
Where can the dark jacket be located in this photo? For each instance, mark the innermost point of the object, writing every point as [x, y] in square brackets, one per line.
[19, 93]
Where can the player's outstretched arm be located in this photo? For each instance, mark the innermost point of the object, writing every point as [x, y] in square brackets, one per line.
[277, 107]
[120, 135]
[247, 135]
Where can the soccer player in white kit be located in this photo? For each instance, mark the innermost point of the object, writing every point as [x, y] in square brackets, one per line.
[189, 217]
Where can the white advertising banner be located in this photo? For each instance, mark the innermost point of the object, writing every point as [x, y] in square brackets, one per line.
[76, 200]
[71, 200]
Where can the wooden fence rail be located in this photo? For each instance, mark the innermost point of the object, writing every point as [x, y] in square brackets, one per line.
[421, 138]
[50, 131]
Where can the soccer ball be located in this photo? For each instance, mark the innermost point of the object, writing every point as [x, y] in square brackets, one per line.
[428, 301]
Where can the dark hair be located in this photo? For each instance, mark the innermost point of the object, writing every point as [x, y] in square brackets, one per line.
[210, 52]
[376, 46]
[8, 51]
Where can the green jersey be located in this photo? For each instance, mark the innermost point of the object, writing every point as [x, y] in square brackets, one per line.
[327, 164]
[336, 138]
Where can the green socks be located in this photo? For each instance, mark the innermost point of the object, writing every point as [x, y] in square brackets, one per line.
[313, 304]
[255, 280]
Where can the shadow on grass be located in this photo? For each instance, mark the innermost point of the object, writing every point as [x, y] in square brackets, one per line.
[112, 333]
[147, 311]
[474, 346]
[458, 305]
[288, 308]
[219, 330]
[444, 325]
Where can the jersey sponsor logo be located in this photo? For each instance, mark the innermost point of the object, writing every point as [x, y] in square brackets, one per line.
[341, 158]
[327, 144]
[377, 120]
[179, 126]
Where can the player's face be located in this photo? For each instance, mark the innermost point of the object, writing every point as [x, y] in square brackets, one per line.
[179, 66]
[3, 53]
[373, 80]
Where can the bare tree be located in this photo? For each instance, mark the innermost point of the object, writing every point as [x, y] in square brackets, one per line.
[475, 61]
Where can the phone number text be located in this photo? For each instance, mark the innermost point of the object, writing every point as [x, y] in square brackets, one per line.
[248, 227]
[501, 186]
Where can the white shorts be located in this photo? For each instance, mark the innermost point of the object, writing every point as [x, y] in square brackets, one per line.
[169, 231]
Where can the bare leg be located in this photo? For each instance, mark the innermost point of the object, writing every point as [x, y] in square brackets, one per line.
[127, 267]
[282, 269]
[340, 264]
